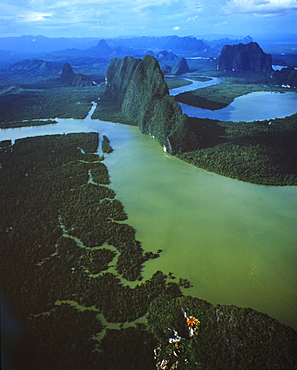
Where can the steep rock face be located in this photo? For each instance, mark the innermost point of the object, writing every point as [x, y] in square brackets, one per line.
[180, 67]
[140, 92]
[68, 77]
[244, 57]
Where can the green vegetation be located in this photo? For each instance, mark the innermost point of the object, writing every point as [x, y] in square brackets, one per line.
[193, 98]
[63, 238]
[68, 255]
[106, 148]
[27, 123]
[137, 94]
[174, 82]
[261, 152]
[130, 348]
[36, 104]
[287, 77]
[228, 337]
[254, 152]
[200, 79]
[69, 343]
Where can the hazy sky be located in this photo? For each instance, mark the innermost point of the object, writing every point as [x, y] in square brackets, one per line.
[110, 18]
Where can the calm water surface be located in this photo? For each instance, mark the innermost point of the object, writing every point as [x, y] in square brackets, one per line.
[236, 242]
[255, 106]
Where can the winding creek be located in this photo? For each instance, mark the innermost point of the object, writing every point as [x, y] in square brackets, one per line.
[236, 242]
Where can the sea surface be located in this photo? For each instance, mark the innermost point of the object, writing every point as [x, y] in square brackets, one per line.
[235, 242]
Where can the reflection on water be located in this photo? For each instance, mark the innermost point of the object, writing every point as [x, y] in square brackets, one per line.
[255, 106]
[235, 242]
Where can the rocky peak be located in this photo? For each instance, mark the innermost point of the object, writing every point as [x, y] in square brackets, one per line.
[103, 49]
[137, 88]
[180, 67]
[244, 57]
[68, 77]
[67, 74]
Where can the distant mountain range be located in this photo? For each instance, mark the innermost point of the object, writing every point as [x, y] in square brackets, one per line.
[34, 66]
[41, 44]
[218, 44]
[14, 48]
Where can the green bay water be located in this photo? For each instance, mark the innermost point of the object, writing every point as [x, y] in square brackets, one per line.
[235, 242]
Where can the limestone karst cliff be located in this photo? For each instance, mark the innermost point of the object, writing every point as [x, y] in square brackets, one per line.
[180, 67]
[244, 57]
[138, 89]
[68, 77]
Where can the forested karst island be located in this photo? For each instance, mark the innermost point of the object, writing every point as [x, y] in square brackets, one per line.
[244, 57]
[78, 290]
[137, 90]
[136, 94]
